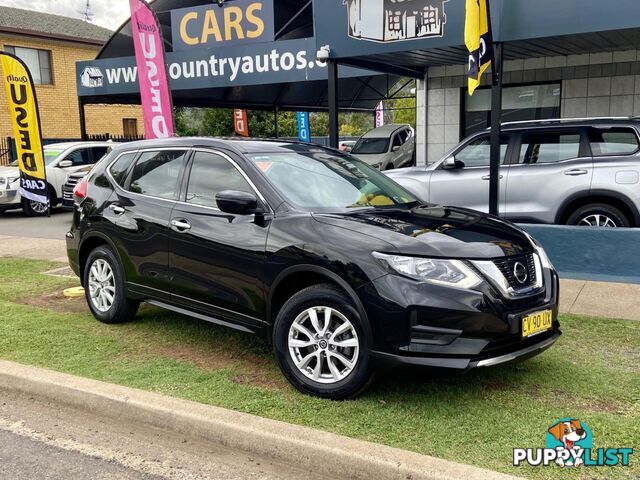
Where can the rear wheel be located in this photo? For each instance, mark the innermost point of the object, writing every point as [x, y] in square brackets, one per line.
[321, 345]
[105, 288]
[599, 215]
[389, 167]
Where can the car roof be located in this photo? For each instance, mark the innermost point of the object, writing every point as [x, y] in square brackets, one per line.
[66, 145]
[571, 122]
[385, 130]
[239, 145]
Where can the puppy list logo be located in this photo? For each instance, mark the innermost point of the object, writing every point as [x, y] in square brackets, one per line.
[569, 443]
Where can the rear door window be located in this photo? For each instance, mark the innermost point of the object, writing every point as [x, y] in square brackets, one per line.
[156, 173]
[550, 147]
[613, 141]
[98, 152]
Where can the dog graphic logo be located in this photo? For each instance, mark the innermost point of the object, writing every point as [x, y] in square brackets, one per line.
[395, 20]
[571, 435]
[92, 77]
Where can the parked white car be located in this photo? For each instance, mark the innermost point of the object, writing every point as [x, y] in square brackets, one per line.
[61, 159]
[388, 147]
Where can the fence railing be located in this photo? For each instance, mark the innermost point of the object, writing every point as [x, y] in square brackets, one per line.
[115, 138]
[6, 151]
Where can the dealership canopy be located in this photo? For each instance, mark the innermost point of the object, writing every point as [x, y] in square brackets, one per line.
[258, 54]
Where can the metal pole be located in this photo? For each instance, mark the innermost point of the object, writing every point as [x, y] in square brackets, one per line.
[83, 120]
[277, 127]
[496, 134]
[334, 128]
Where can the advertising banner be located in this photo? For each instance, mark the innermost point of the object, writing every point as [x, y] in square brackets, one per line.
[152, 78]
[23, 107]
[284, 61]
[304, 131]
[240, 123]
[232, 23]
[380, 115]
[479, 40]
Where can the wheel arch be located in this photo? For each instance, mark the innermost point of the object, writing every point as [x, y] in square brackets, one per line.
[289, 282]
[609, 197]
[90, 243]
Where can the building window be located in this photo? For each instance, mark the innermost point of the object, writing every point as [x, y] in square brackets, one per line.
[130, 127]
[38, 62]
[525, 102]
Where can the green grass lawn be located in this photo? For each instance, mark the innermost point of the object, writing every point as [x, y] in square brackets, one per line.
[592, 373]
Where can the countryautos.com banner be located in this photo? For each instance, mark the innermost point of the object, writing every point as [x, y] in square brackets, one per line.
[257, 64]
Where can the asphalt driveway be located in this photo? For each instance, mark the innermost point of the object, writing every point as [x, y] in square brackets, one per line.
[16, 224]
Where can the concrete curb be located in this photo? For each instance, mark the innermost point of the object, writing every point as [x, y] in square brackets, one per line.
[321, 452]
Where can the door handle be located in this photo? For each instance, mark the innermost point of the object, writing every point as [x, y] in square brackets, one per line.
[180, 225]
[117, 209]
[488, 177]
[576, 172]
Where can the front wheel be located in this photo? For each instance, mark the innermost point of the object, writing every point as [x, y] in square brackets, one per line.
[321, 345]
[34, 209]
[599, 215]
[104, 288]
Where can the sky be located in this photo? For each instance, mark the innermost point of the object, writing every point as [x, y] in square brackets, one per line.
[106, 13]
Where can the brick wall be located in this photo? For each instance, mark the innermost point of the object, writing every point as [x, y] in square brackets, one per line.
[58, 102]
[593, 85]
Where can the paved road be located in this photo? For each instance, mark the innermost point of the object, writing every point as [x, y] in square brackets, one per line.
[40, 440]
[16, 224]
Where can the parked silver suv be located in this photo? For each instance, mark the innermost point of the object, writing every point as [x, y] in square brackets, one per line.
[575, 172]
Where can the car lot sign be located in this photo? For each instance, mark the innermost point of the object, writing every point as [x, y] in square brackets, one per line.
[209, 26]
[23, 106]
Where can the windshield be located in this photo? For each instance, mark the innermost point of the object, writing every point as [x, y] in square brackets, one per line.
[317, 180]
[371, 146]
[50, 155]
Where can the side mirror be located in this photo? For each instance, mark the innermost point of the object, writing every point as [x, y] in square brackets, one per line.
[237, 203]
[396, 148]
[451, 163]
[65, 164]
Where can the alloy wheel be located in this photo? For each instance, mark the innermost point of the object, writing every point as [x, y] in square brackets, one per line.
[323, 345]
[38, 207]
[102, 285]
[598, 220]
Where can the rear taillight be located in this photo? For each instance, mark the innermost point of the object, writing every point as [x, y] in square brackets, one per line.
[80, 191]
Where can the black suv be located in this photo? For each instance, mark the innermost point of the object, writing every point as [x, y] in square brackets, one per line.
[329, 260]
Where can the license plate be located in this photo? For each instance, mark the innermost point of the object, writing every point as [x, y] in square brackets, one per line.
[537, 323]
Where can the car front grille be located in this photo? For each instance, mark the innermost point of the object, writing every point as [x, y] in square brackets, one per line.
[67, 188]
[508, 268]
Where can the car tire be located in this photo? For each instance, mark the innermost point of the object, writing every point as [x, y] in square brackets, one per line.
[388, 167]
[105, 290]
[599, 215]
[31, 209]
[345, 368]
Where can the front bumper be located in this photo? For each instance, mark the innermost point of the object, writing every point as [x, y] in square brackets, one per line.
[415, 323]
[9, 197]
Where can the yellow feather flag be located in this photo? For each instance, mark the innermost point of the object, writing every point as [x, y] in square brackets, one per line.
[25, 118]
[478, 39]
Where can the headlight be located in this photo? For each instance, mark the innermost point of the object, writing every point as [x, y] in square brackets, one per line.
[8, 180]
[450, 273]
[544, 258]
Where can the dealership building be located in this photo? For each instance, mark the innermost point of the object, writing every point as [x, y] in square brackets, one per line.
[562, 59]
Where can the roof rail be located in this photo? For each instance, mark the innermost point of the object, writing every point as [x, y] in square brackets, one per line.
[568, 120]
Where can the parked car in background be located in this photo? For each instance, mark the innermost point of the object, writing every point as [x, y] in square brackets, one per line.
[61, 159]
[67, 188]
[335, 265]
[347, 145]
[575, 172]
[388, 147]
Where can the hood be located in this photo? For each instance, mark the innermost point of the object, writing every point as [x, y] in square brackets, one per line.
[371, 159]
[9, 172]
[447, 232]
